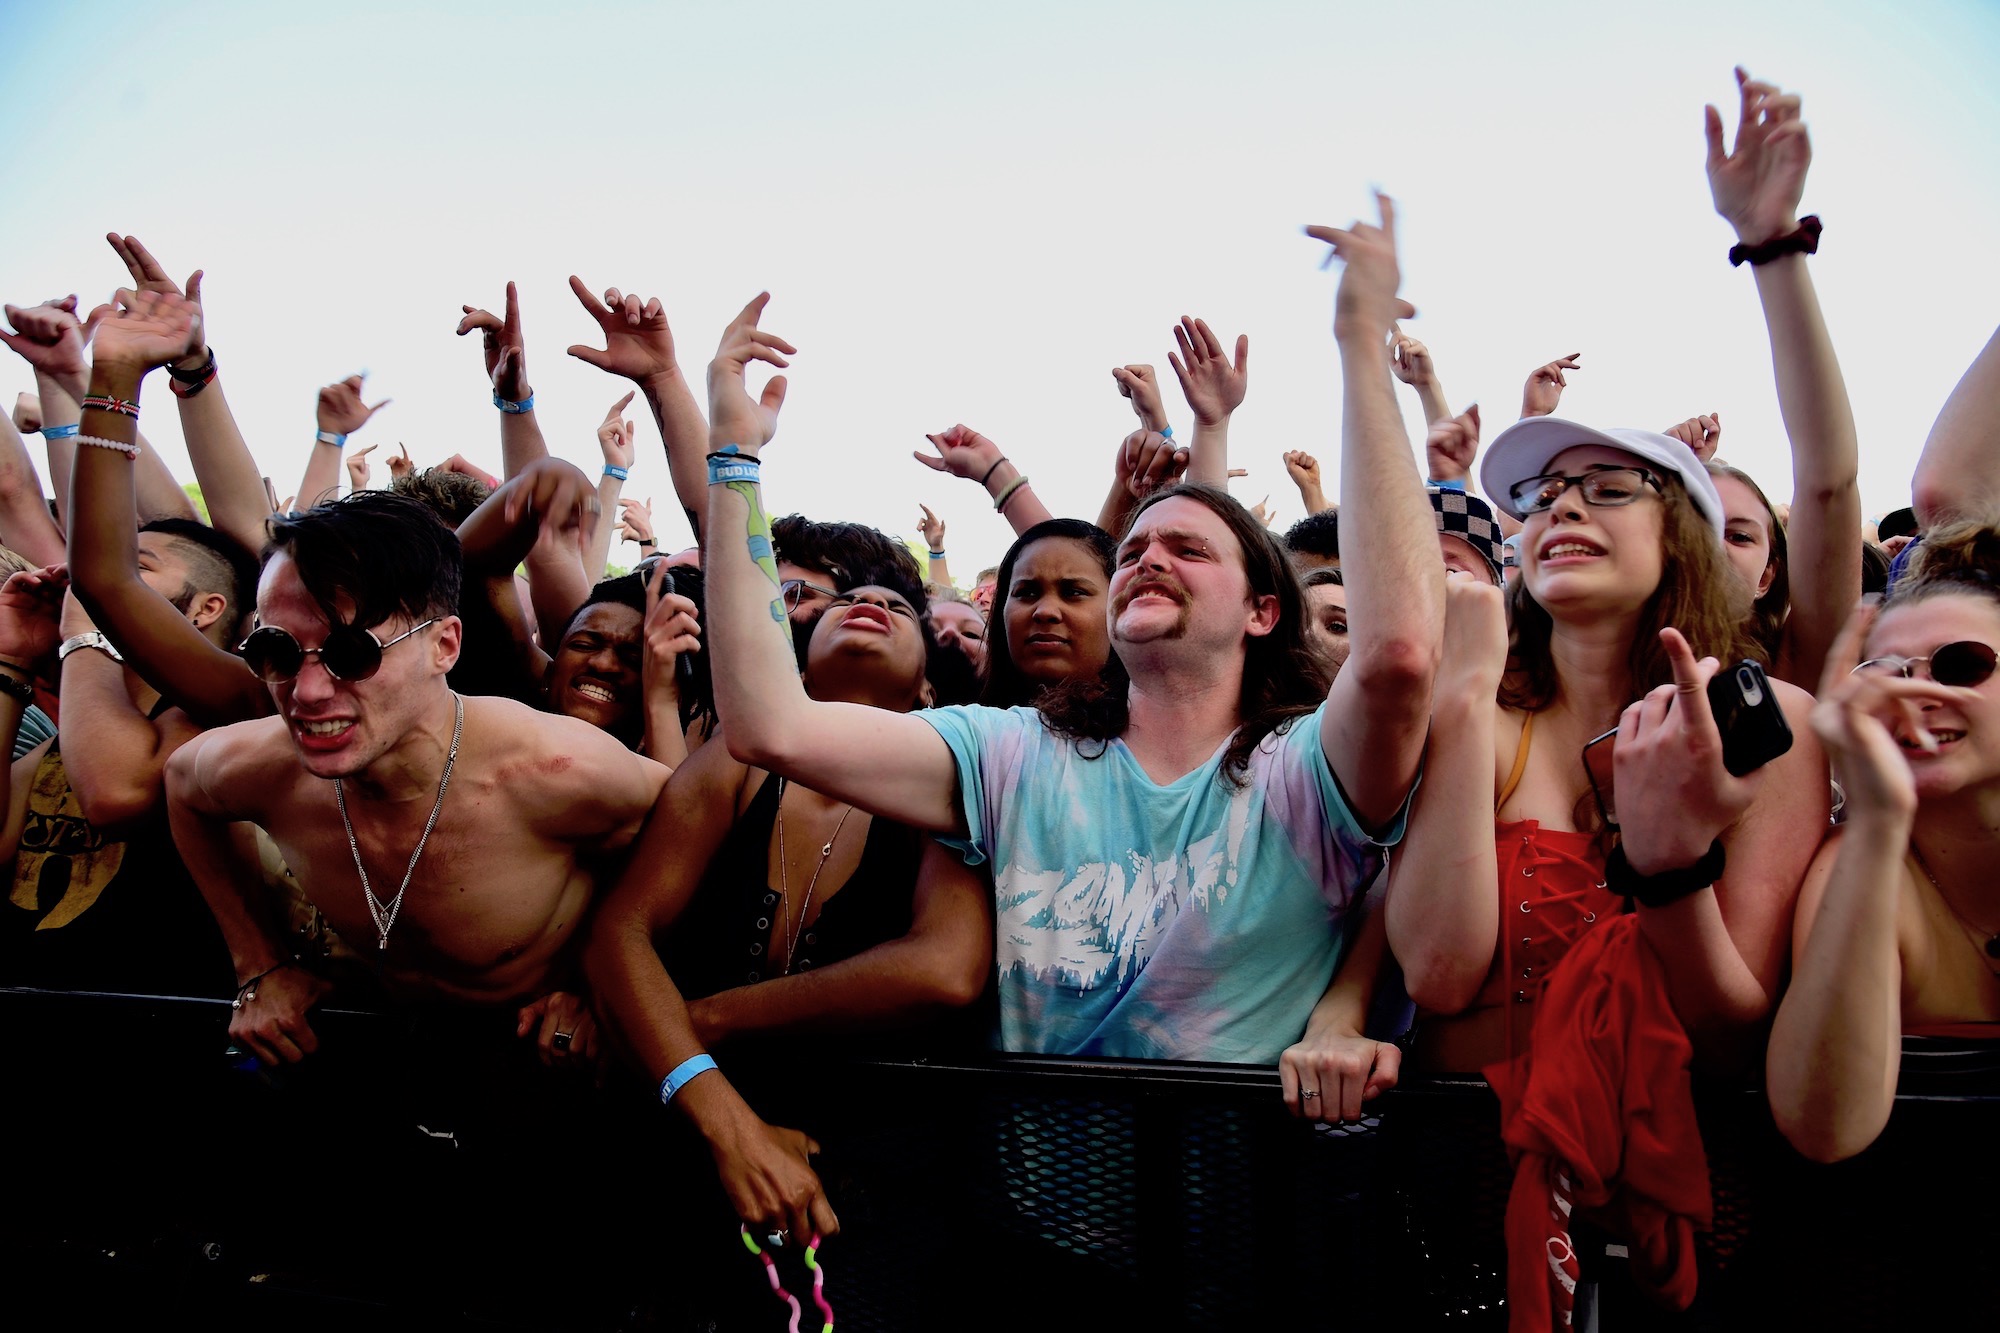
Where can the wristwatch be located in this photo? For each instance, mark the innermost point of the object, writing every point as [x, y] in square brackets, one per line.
[1668, 886]
[91, 639]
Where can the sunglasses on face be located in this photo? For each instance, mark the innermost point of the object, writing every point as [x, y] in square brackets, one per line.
[794, 591]
[348, 653]
[1963, 664]
[1604, 488]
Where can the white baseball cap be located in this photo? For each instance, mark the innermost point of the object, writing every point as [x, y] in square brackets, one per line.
[1524, 449]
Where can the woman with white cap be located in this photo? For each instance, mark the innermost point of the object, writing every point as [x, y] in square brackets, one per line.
[1624, 608]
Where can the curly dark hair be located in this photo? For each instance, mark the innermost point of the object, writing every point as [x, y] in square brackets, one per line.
[1005, 685]
[1282, 676]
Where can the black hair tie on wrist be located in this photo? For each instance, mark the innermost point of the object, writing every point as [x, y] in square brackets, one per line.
[1804, 241]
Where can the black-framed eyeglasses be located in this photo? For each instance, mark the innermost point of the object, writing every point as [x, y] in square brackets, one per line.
[793, 591]
[348, 652]
[1963, 664]
[1601, 488]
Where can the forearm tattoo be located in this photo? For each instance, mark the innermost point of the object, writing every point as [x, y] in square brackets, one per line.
[757, 530]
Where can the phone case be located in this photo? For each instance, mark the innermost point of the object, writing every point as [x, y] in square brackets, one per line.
[1753, 726]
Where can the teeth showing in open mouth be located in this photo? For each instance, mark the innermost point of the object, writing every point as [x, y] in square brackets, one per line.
[323, 728]
[1940, 737]
[1569, 548]
[597, 692]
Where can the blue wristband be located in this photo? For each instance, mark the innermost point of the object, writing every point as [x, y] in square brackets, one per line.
[618, 472]
[514, 409]
[735, 467]
[60, 432]
[1166, 432]
[682, 1074]
[937, 555]
[1449, 485]
[333, 438]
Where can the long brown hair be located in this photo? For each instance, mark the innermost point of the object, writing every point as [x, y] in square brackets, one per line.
[1698, 595]
[1282, 676]
[1961, 556]
[1767, 614]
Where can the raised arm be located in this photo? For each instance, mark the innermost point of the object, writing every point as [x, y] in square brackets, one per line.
[1215, 387]
[639, 345]
[341, 412]
[964, 452]
[1443, 916]
[549, 496]
[887, 763]
[1757, 186]
[1414, 366]
[1303, 469]
[763, 1167]
[937, 565]
[231, 486]
[672, 630]
[1376, 716]
[521, 441]
[1146, 460]
[1959, 470]
[50, 338]
[25, 523]
[168, 652]
[617, 443]
[1542, 394]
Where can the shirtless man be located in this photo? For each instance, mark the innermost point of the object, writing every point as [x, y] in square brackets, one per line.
[357, 633]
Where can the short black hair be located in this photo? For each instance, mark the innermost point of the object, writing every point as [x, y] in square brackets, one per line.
[1316, 534]
[855, 554]
[218, 562]
[382, 551]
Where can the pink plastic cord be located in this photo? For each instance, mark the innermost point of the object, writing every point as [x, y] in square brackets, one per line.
[778, 1286]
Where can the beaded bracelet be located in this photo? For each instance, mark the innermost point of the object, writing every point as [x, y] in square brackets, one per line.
[1000, 501]
[511, 408]
[612, 470]
[130, 450]
[60, 432]
[104, 402]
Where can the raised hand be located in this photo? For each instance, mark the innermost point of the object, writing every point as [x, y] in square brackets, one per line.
[931, 527]
[1366, 301]
[1857, 716]
[555, 492]
[1303, 469]
[1140, 386]
[614, 435]
[27, 413]
[1757, 184]
[50, 338]
[635, 520]
[400, 463]
[506, 358]
[1543, 392]
[341, 410]
[148, 275]
[1475, 638]
[357, 469]
[31, 617]
[1702, 434]
[1213, 384]
[1148, 461]
[637, 342]
[146, 329]
[961, 451]
[1668, 762]
[734, 417]
[1452, 444]
[672, 627]
[1263, 513]
[1410, 359]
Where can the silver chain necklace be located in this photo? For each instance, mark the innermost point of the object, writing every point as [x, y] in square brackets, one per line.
[385, 913]
[784, 879]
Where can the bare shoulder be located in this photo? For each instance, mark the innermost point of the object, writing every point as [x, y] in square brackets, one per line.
[546, 761]
[236, 769]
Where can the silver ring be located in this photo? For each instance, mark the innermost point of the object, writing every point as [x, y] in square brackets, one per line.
[1308, 1096]
[561, 1040]
[776, 1239]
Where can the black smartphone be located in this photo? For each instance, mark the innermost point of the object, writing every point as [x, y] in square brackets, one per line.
[1753, 726]
[1597, 767]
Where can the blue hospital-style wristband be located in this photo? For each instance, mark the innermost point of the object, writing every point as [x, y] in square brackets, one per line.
[682, 1074]
[610, 470]
[1449, 485]
[1166, 432]
[61, 432]
[514, 409]
[333, 438]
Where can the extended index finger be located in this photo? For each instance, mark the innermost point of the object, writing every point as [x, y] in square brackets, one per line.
[1845, 654]
[596, 307]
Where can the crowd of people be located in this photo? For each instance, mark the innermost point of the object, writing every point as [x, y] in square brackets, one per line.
[1577, 763]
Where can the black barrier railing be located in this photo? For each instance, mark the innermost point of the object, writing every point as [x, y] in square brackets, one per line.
[422, 1171]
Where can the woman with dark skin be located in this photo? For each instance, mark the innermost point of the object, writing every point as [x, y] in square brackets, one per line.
[1050, 594]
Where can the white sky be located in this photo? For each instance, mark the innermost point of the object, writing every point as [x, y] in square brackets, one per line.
[972, 212]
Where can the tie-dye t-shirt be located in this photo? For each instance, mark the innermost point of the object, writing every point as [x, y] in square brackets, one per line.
[1194, 921]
